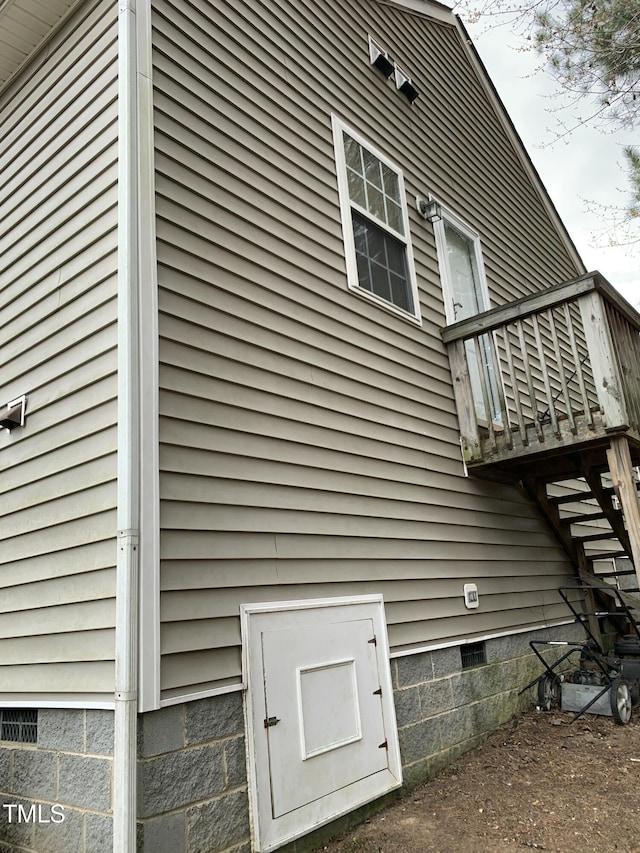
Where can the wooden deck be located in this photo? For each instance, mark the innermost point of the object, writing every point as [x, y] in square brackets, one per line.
[559, 371]
[547, 390]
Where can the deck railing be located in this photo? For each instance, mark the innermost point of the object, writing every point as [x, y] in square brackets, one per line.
[554, 369]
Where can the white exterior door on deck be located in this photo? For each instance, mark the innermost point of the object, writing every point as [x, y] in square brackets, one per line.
[466, 294]
[322, 738]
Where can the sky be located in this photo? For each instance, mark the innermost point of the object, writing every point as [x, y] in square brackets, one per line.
[583, 171]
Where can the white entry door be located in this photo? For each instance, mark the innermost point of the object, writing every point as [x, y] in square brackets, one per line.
[466, 294]
[322, 735]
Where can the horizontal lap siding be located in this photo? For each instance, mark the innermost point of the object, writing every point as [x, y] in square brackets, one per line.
[309, 440]
[58, 293]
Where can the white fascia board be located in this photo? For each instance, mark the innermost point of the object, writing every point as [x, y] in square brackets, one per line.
[424, 8]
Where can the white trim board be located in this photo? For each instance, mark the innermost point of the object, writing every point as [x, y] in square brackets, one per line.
[434, 647]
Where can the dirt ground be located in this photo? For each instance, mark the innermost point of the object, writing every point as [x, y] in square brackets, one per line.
[540, 783]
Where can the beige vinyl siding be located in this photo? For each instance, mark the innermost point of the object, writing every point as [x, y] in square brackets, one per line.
[309, 440]
[58, 294]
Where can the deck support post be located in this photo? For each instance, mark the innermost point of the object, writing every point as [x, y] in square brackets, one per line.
[606, 375]
[620, 466]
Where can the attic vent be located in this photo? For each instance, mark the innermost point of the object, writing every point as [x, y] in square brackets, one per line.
[404, 84]
[379, 57]
[19, 725]
[387, 66]
[13, 414]
[473, 654]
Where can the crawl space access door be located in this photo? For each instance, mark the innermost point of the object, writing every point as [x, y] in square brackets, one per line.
[322, 737]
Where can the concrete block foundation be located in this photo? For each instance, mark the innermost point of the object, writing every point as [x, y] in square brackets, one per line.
[443, 709]
[192, 782]
[56, 794]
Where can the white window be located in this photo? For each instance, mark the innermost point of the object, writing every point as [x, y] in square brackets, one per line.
[465, 293]
[375, 224]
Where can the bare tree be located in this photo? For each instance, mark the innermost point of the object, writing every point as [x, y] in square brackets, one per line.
[593, 49]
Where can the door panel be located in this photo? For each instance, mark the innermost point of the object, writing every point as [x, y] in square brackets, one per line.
[322, 687]
[321, 736]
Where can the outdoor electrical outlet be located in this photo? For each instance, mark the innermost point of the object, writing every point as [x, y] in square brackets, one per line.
[471, 596]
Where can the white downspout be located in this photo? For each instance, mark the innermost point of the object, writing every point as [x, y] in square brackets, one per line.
[128, 493]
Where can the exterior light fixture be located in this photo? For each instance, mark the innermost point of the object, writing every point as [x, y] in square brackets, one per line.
[404, 84]
[431, 210]
[13, 416]
[380, 59]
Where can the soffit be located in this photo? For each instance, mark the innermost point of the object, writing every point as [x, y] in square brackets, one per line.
[24, 24]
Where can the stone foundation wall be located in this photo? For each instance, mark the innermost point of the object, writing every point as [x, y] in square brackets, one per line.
[56, 794]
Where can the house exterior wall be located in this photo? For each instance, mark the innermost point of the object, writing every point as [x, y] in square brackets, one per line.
[309, 444]
[308, 438]
[58, 172]
[192, 777]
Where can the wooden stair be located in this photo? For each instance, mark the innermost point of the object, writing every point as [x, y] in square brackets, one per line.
[590, 501]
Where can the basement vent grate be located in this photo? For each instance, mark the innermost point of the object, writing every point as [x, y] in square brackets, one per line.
[473, 654]
[19, 725]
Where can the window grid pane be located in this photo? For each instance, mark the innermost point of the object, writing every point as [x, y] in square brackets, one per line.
[352, 154]
[373, 185]
[381, 263]
[357, 191]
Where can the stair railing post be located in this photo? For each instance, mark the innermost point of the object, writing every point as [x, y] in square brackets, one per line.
[620, 468]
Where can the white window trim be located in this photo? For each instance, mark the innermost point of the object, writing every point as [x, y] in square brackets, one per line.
[445, 272]
[346, 206]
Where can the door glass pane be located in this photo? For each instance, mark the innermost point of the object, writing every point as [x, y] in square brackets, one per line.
[467, 300]
[463, 267]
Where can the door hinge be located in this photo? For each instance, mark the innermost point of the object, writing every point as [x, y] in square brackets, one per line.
[384, 745]
[378, 692]
[373, 640]
[271, 721]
